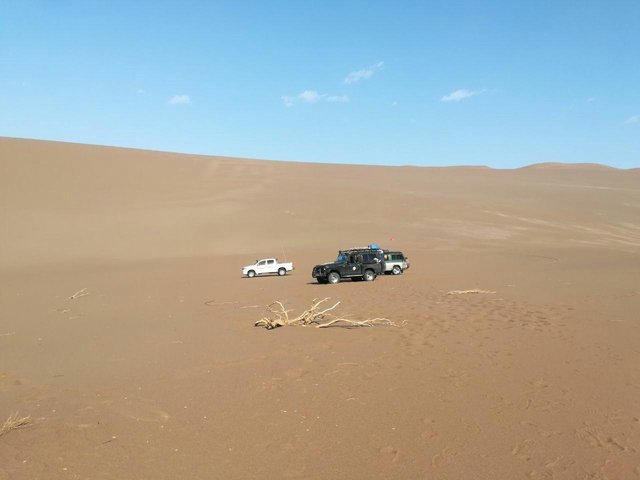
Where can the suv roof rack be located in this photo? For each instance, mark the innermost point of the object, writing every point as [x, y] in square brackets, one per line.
[368, 247]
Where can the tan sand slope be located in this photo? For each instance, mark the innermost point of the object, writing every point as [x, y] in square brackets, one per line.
[158, 372]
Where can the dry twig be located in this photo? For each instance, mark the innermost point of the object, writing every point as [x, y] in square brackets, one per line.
[463, 292]
[213, 303]
[14, 422]
[78, 294]
[315, 316]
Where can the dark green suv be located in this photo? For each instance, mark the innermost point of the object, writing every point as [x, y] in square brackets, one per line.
[364, 263]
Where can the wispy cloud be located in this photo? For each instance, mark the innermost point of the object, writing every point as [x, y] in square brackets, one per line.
[336, 98]
[364, 74]
[312, 96]
[633, 119]
[459, 95]
[288, 101]
[309, 96]
[179, 100]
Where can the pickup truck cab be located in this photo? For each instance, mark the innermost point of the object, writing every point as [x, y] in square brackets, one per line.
[267, 266]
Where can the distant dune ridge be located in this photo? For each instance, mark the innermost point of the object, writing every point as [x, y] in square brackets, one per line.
[580, 166]
[127, 332]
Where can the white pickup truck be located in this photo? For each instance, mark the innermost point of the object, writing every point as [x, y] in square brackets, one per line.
[267, 266]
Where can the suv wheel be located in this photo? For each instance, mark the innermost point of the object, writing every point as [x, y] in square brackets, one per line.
[282, 271]
[334, 277]
[369, 275]
[251, 274]
[396, 270]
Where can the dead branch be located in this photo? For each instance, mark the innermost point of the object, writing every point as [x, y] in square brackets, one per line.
[14, 422]
[213, 303]
[79, 293]
[464, 292]
[361, 323]
[314, 316]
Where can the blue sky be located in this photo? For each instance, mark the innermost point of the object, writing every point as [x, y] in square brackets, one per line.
[499, 83]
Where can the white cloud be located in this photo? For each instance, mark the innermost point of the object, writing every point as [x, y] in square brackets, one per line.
[179, 100]
[309, 96]
[459, 95]
[336, 98]
[364, 74]
[312, 96]
[288, 101]
[633, 119]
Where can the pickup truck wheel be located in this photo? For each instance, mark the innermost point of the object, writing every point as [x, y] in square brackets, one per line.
[396, 270]
[369, 275]
[282, 271]
[334, 277]
[251, 274]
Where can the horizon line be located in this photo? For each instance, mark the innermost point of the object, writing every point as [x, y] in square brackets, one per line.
[480, 166]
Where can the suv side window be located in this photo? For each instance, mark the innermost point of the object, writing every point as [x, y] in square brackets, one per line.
[366, 257]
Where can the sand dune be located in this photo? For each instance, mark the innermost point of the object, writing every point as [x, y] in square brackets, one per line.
[156, 370]
[568, 166]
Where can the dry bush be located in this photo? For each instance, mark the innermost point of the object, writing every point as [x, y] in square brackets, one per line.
[14, 422]
[279, 317]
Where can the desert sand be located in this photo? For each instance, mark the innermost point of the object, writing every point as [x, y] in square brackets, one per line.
[127, 332]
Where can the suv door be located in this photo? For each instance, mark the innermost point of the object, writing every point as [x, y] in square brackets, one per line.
[354, 265]
[373, 261]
